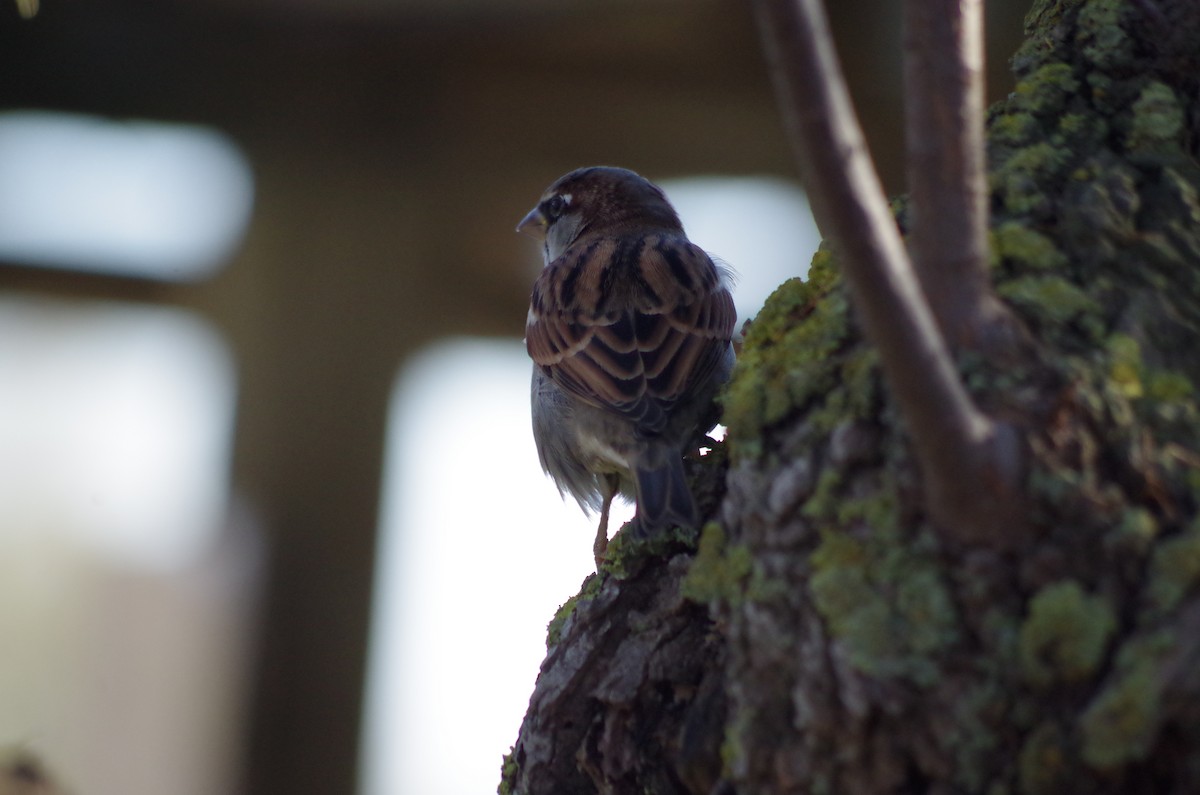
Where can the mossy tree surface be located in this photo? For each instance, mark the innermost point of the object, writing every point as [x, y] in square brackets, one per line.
[858, 651]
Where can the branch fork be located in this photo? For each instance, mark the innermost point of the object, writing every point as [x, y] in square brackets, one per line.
[914, 310]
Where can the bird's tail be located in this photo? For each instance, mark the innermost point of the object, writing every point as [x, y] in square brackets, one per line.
[663, 497]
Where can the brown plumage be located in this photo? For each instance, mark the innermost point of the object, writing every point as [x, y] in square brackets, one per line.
[629, 328]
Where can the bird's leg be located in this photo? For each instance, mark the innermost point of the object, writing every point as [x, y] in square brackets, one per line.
[612, 482]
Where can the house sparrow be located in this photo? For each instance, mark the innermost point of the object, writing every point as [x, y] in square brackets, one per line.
[629, 329]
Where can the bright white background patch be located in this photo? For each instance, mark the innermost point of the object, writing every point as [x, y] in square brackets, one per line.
[115, 428]
[477, 552]
[163, 201]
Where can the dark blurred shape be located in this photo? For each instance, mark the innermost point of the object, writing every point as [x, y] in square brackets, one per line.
[22, 773]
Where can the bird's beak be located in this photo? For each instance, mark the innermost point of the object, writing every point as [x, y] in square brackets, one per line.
[533, 224]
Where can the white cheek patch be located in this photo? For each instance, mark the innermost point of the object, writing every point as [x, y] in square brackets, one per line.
[566, 197]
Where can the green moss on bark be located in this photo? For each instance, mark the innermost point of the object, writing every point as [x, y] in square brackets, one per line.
[786, 363]
[1174, 570]
[1122, 721]
[1065, 637]
[719, 570]
[591, 586]
[1158, 122]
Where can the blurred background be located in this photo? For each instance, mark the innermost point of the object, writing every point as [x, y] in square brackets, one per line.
[270, 516]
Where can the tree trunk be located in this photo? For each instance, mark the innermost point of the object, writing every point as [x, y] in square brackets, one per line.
[820, 635]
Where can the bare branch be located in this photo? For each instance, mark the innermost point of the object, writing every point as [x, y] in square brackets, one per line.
[970, 463]
[947, 173]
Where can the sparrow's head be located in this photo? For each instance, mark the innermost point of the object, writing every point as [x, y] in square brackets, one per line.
[599, 200]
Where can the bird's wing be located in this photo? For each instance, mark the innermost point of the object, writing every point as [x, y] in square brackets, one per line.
[631, 325]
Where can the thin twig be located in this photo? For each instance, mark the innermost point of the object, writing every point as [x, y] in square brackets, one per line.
[970, 464]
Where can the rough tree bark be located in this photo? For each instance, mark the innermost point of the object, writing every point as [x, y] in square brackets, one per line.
[822, 635]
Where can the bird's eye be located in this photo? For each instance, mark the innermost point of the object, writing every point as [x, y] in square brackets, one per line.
[555, 206]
